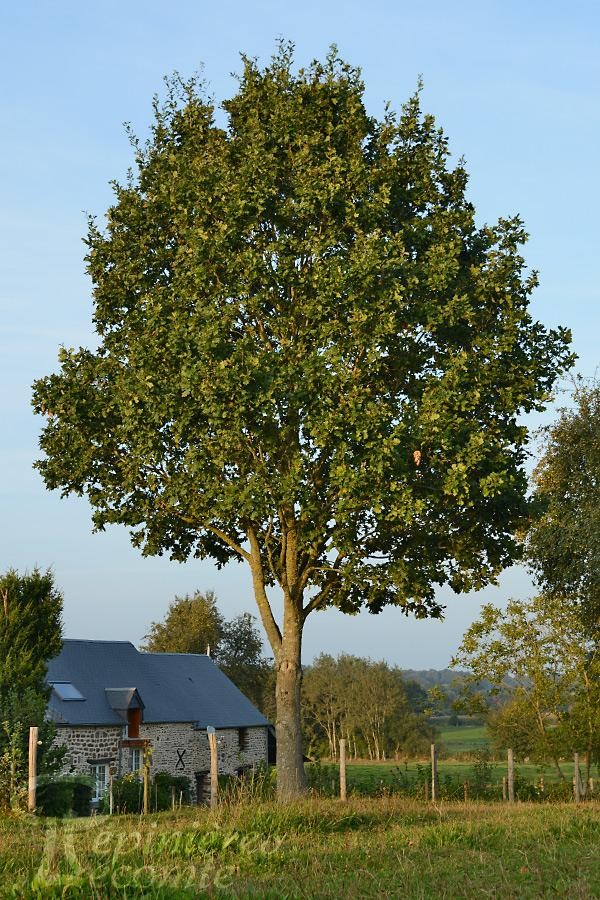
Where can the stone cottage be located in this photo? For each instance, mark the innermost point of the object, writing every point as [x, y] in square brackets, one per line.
[112, 703]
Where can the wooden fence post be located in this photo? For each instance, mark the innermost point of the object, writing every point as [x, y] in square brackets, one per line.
[434, 774]
[504, 788]
[146, 786]
[32, 784]
[214, 767]
[511, 776]
[342, 769]
[466, 790]
[576, 779]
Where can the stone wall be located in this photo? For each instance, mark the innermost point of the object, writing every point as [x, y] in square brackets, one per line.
[89, 744]
[181, 749]
[177, 748]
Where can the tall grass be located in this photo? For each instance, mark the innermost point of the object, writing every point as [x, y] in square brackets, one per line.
[367, 847]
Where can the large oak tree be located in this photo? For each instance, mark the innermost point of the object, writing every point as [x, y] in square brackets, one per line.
[310, 358]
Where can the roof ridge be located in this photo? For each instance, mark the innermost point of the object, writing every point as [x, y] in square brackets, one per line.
[96, 641]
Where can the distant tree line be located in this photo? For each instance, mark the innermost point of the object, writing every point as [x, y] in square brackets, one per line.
[369, 704]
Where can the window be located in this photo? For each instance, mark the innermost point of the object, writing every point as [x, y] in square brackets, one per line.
[136, 760]
[100, 775]
[67, 691]
[243, 739]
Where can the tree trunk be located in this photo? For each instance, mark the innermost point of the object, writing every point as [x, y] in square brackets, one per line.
[559, 771]
[291, 778]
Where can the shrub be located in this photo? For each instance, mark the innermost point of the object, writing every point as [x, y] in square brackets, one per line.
[164, 787]
[559, 792]
[128, 793]
[55, 796]
[83, 791]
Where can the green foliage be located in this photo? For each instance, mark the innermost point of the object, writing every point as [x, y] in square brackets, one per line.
[367, 703]
[83, 791]
[252, 785]
[482, 777]
[483, 771]
[30, 629]
[563, 547]
[30, 635]
[309, 356]
[323, 780]
[543, 646]
[192, 624]
[128, 793]
[55, 797]
[61, 796]
[19, 709]
[165, 787]
[287, 310]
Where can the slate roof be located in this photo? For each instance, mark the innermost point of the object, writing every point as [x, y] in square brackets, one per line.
[173, 687]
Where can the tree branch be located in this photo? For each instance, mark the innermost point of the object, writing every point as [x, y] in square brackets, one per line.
[262, 601]
[218, 532]
[327, 588]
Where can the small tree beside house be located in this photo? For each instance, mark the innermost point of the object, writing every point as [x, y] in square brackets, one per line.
[30, 634]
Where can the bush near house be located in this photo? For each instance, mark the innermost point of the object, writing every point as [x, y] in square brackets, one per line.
[61, 796]
[128, 793]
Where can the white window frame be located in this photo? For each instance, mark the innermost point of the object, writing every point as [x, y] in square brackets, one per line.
[100, 774]
[136, 760]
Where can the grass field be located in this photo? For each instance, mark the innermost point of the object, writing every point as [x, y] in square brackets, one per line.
[464, 738]
[366, 848]
[370, 779]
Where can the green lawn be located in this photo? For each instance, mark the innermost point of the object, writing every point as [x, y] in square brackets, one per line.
[464, 738]
[366, 848]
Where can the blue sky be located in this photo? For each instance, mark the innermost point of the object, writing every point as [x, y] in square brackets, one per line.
[514, 85]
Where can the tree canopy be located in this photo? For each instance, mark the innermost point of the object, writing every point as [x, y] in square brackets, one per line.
[370, 704]
[191, 625]
[30, 635]
[30, 629]
[537, 652]
[194, 623]
[310, 357]
[564, 544]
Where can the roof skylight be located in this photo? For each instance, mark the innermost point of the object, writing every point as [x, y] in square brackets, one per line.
[66, 691]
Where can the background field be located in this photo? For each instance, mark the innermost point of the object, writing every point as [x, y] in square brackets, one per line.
[365, 848]
[409, 779]
[464, 738]
[462, 759]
